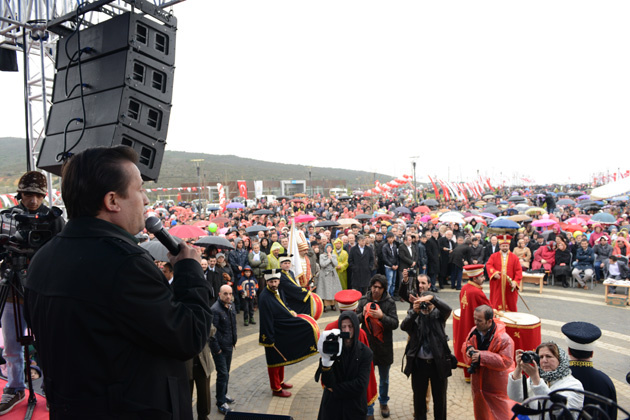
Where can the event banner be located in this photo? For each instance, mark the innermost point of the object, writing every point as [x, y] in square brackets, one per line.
[258, 188]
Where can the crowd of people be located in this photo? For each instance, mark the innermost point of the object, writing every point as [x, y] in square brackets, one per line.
[290, 260]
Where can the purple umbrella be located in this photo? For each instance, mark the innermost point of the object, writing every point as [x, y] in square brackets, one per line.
[584, 197]
[488, 215]
[235, 205]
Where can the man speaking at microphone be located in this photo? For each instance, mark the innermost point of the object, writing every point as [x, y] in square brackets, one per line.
[112, 334]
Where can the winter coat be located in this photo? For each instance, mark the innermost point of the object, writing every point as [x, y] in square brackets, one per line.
[544, 253]
[257, 266]
[237, 258]
[383, 350]
[584, 259]
[328, 284]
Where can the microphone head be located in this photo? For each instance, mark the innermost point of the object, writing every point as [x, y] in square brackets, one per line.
[153, 224]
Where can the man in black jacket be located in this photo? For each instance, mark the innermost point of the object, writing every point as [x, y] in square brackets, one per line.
[360, 263]
[377, 313]
[446, 244]
[132, 330]
[408, 256]
[222, 344]
[427, 353]
[389, 253]
[433, 257]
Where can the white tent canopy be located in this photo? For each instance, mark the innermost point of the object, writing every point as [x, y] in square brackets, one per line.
[611, 190]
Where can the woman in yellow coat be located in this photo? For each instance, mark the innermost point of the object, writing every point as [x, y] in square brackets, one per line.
[342, 263]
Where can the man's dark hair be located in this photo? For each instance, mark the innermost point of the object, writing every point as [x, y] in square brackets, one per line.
[487, 311]
[389, 235]
[169, 266]
[613, 258]
[580, 354]
[379, 278]
[89, 175]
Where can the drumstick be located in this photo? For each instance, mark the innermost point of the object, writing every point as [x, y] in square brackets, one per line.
[285, 359]
[509, 319]
[521, 296]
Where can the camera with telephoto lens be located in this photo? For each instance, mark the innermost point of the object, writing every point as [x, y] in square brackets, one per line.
[332, 343]
[529, 357]
[470, 350]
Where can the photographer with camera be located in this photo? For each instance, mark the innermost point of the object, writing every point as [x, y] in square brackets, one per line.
[377, 311]
[34, 225]
[427, 354]
[548, 370]
[489, 351]
[345, 371]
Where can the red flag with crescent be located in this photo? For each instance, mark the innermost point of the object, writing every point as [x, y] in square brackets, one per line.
[242, 188]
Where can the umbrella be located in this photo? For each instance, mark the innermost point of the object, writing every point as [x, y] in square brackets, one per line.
[426, 218]
[566, 202]
[488, 197]
[584, 197]
[299, 195]
[235, 205]
[620, 198]
[613, 189]
[520, 218]
[532, 211]
[503, 223]
[156, 249]
[421, 209]
[303, 218]
[296, 200]
[345, 197]
[348, 222]
[263, 212]
[282, 197]
[218, 241]
[404, 210]
[585, 203]
[187, 231]
[574, 193]
[383, 216]
[363, 216]
[576, 221]
[213, 208]
[544, 222]
[591, 207]
[455, 213]
[493, 210]
[219, 220]
[488, 215]
[521, 207]
[605, 218]
[451, 218]
[256, 228]
[202, 223]
[430, 202]
[516, 198]
[326, 223]
[480, 203]
[478, 219]
[574, 228]
[512, 211]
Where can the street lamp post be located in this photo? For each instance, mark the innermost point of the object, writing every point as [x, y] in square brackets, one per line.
[198, 163]
[415, 188]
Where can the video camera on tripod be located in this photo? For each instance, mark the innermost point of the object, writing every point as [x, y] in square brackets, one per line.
[26, 232]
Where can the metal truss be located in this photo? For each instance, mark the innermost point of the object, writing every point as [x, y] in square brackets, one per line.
[33, 28]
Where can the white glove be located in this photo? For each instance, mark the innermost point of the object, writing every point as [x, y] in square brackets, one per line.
[327, 359]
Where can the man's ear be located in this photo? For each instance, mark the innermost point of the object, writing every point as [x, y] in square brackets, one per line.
[110, 202]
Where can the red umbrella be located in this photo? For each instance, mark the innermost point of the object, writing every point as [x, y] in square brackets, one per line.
[303, 218]
[187, 231]
[421, 209]
[572, 228]
[219, 220]
[202, 223]
[383, 217]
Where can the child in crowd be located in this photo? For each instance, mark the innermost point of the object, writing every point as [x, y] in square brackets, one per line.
[247, 287]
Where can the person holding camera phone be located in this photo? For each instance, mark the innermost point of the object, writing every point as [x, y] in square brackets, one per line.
[488, 350]
[345, 371]
[548, 369]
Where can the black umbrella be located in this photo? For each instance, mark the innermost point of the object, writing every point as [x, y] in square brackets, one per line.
[256, 228]
[591, 207]
[403, 210]
[585, 203]
[326, 223]
[516, 198]
[345, 197]
[262, 212]
[156, 249]
[574, 194]
[492, 210]
[363, 216]
[430, 202]
[217, 241]
[283, 197]
[213, 209]
[565, 202]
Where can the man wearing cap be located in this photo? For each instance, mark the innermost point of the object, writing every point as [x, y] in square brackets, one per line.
[378, 317]
[505, 272]
[348, 300]
[287, 338]
[296, 297]
[488, 351]
[31, 193]
[470, 297]
[581, 338]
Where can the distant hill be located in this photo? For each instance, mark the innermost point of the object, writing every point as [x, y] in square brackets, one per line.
[178, 169]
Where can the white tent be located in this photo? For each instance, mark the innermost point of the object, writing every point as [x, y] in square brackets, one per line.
[611, 190]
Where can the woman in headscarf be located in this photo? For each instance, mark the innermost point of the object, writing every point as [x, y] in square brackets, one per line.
[562, 266]
[550, 374]
[328, 284]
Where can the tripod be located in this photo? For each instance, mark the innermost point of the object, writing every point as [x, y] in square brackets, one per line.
[12, 285]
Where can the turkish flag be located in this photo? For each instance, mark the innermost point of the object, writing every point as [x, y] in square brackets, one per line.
[242, 188]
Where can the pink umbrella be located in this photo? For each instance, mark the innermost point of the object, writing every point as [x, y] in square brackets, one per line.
[303, 218]
[425, 219]
[187, 231]
[575, 221]
[544, 222]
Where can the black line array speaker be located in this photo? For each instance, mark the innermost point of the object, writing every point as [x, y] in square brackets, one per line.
[126, 68]
[235, 415]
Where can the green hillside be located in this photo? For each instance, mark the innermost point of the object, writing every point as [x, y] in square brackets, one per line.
[177, 169]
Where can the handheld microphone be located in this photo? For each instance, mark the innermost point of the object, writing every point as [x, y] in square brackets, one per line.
[154, 226]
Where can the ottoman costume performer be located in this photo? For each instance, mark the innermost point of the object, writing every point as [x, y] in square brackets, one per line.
[505, 273]
[296, 297]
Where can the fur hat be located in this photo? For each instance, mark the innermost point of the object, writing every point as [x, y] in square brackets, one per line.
[33, 182]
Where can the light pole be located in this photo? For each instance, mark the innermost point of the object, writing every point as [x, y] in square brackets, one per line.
[198, 163]
[415, 189]
[310, 178]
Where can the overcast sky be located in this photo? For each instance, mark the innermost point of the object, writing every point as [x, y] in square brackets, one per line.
[537, 89]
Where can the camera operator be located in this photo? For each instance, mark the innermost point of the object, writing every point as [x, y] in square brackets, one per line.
[548, 369]
[345, 371]
[31, 193]
[113, 336]
[489, 351]
[408, 290]
[427, 353]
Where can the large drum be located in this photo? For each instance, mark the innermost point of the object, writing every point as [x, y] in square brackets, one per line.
[456, 344]
[317, 306]
[523, 328]
[312, 323]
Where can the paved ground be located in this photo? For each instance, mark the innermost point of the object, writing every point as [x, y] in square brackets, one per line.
[556, 306]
